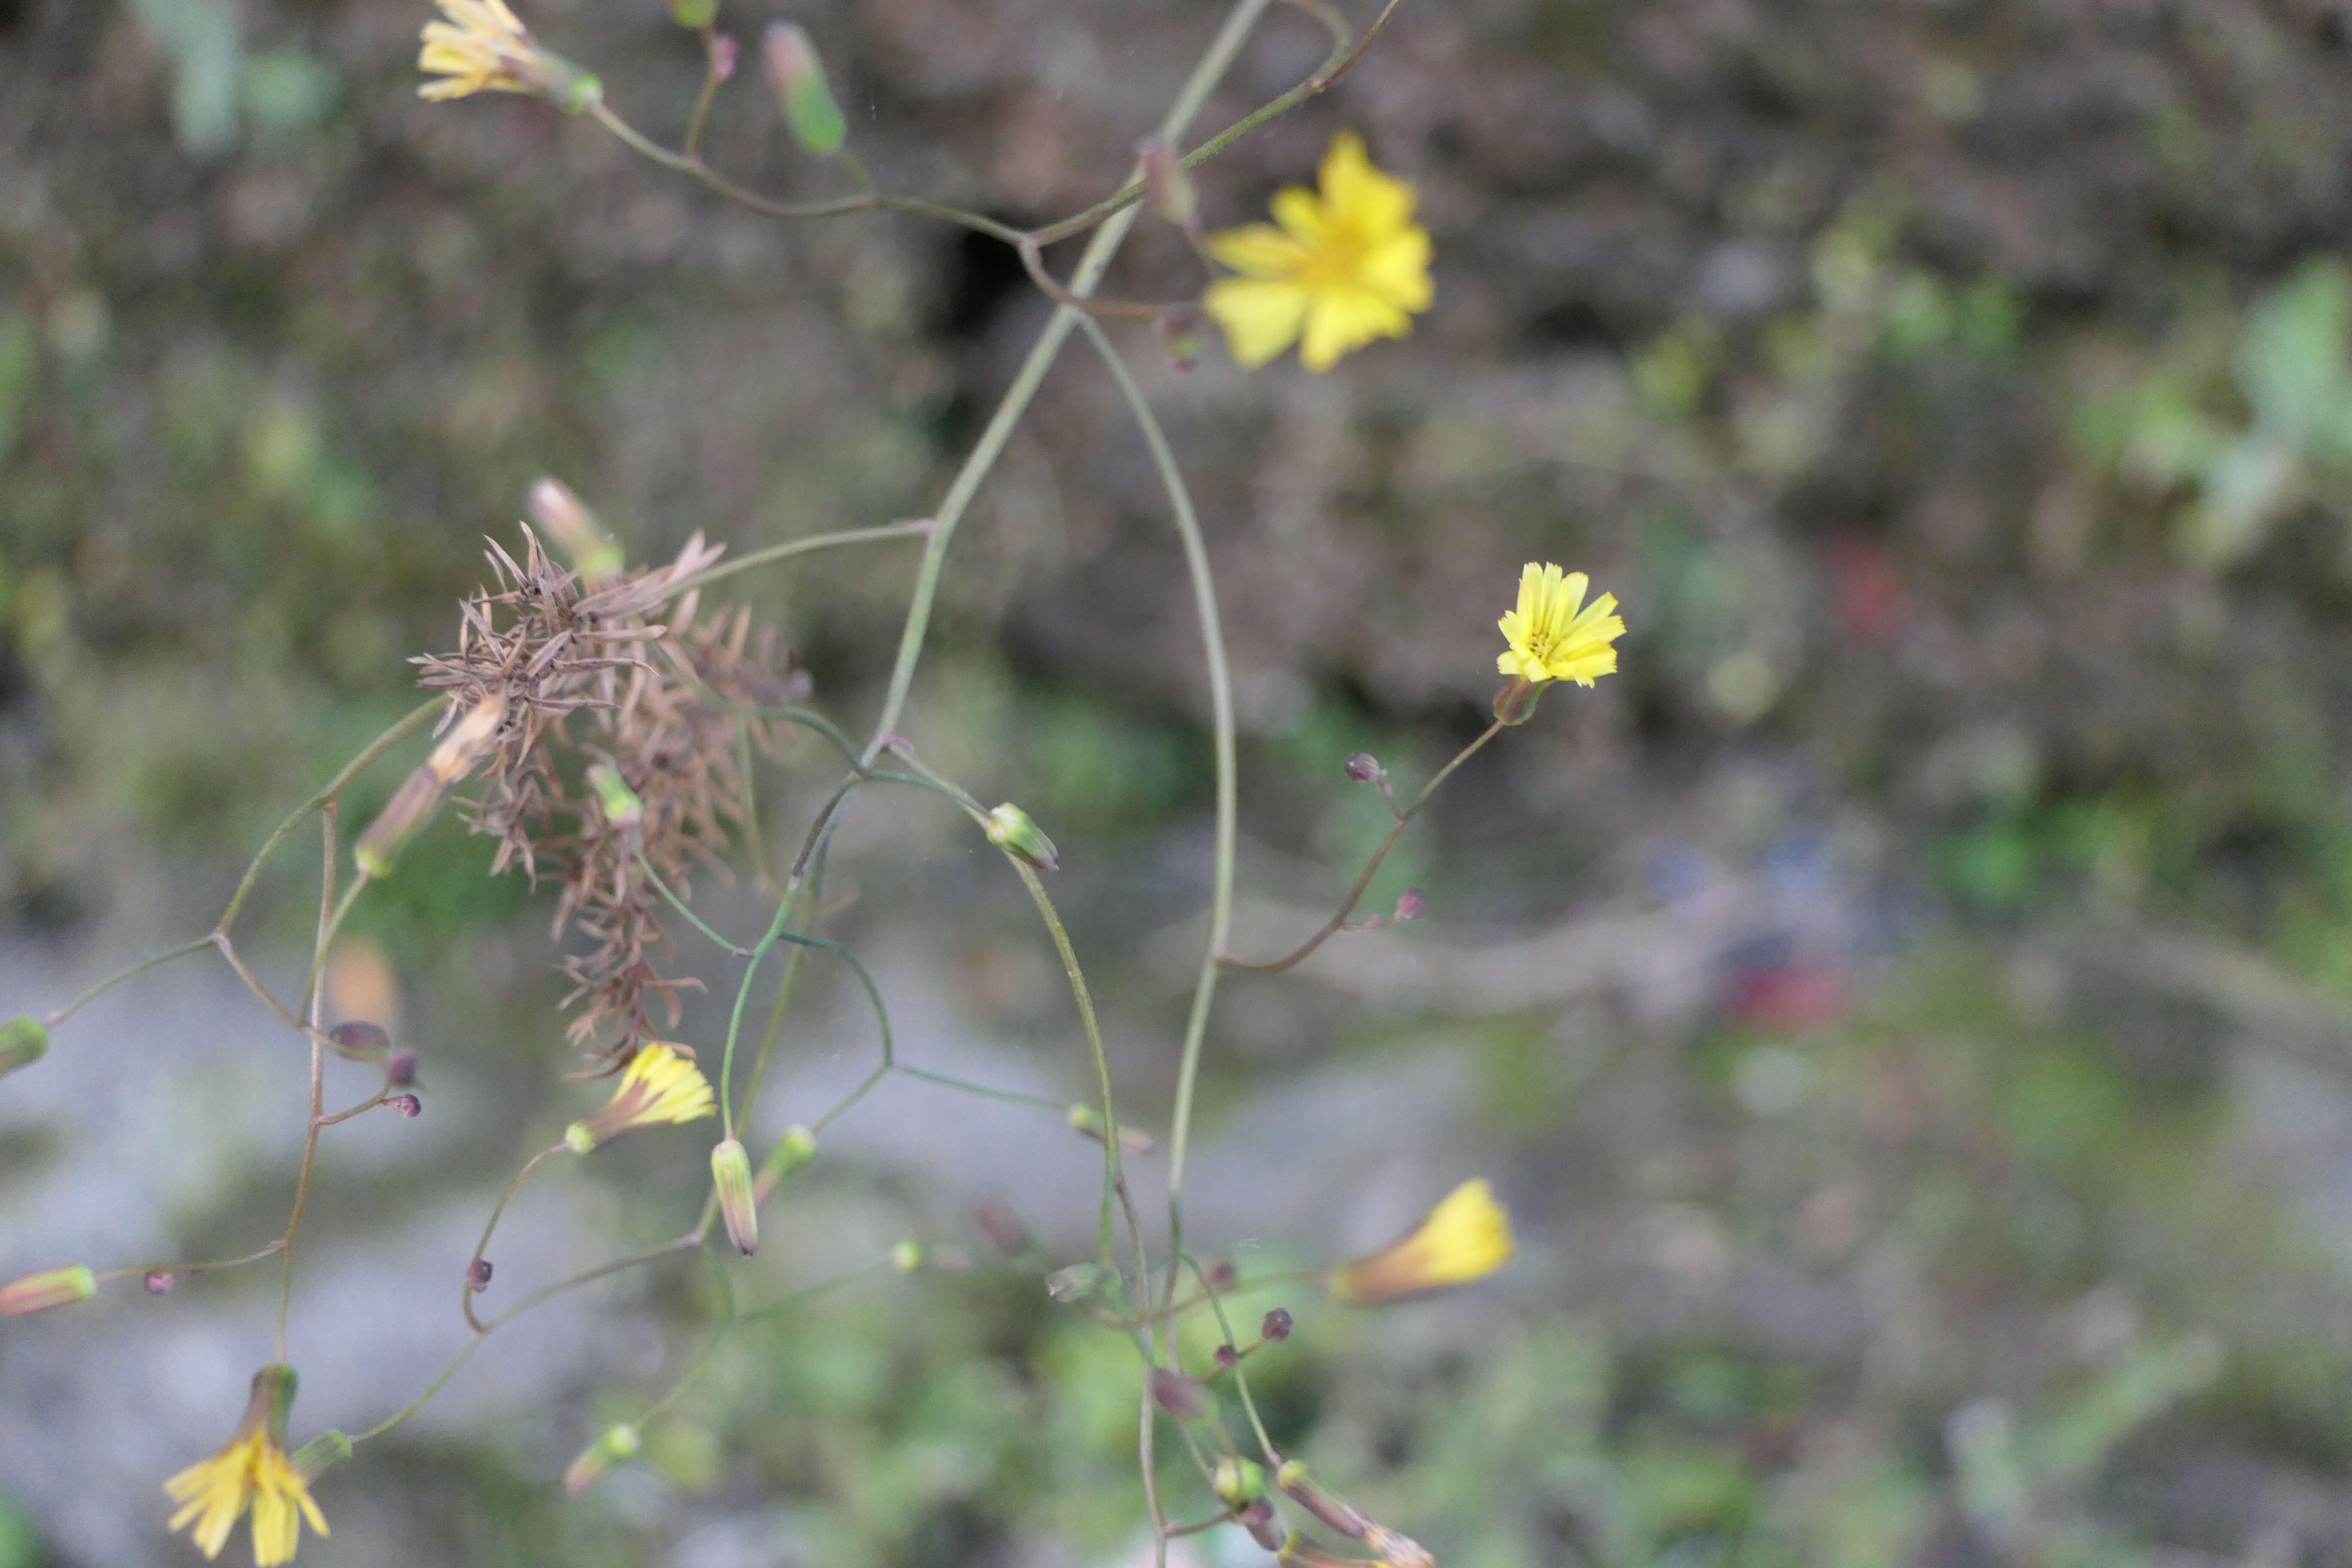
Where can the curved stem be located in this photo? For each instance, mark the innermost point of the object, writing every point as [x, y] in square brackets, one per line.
[1114, 1180]
[1221, 700]
[1338, 920]
[187, 1270]
[878, 534]
[58, 1015]
[491, 1224]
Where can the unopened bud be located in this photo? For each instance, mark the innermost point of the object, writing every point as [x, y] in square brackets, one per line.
[906, 1257]
[1222, 1275]
[1263, 1528]
[798, 76]
[559, 512]
[406, 1104]
[400, 1069]
[23, 1042]
[1237, 1482]
[1010, 829]
[1292, 1478]
[159, 1281]
[358, 1040]
[620, 805]
[1076, 1282]
[1226, 1356]
[997, 1222]
[1172, 197]
[1184, 1397]
[730, 1174]
[1179, 328]
[1086, 1122]
[461, 750]
[613, 1443]
[1365, 768]
[796, 1148]
[1395, 1550]
[53, 1287]
[1410, 903]
[320, 1454]
[724, 54]
[1516, 702]
[412, 805]
[695, 14]
[477, 1275]
[1277, 1325]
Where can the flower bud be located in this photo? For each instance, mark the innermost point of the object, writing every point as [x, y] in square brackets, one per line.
[558, 511]
[1365, 768]
[730, 1172]
[1222, 1275]
[412, 805]
[54, 1288]
[997, 1222]
[1395, 1550]
[906, 1257]
[1340, 1516]
[724, 54]
[617, 1442]
[23, 1042]
[619, 802]
[1173, 195]
[400, 1069]
[1410, 903]
[159, 1281]
[320, 1454]
[406, 1104]
[477, 1276]
[695, 14]
[357, 1040]
[1258, 1518]
[1277, 1325]
[1181, 1396]
[1179, 328]
[796, 1148]
[1225, 1356]
[1076, 1282]
[1516, 702]
[1010, 829]
[798, 76]
[1238, 1482]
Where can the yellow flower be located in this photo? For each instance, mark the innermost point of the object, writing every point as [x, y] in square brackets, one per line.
[660, 1084]
[1467, 1236]
[253, 1469]
[1552, 638]
[1341, 270]
[483, 47]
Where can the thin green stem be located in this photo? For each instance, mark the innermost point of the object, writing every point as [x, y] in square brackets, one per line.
[1338, 920]
[1100, 249]
[334, 790]
[1221, 701]
[195, 944]
[189, 1269]
[877, 534]
[1010, 1096]
[1113, 1180]
[1241, 1379]
[491, 1224]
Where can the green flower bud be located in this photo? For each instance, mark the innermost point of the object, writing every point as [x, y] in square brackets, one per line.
[798, 76]
[1238, 1482]
[796, 1148]
[906, 1257]
[730, 1172]
[695, 14]
[615, 1443]
[1010, 829]
[23, 1042]
[622, 807]
[52, 1287]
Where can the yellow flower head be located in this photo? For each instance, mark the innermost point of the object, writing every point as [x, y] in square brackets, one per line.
[1466, 1237]
[483, 47]
[660, 1084]
[253, 1469]
[1551, 637]
[1339, 269]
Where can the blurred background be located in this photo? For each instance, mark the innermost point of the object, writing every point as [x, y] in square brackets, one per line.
[1908, 1010]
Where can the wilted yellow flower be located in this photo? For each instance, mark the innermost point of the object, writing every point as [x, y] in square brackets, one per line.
[253, 1469]
[1551, 637]
[1340, 268]
[660, 1084]
[1467, 1236]
[483, 47]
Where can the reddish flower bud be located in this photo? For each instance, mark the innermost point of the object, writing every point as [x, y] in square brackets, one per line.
[360, 1041]
[1365, 768]
[477, 1275]
[159, 1281]
[1178, 1394]
[1410, 903]
[406, 1104]
[1259, 1520]
[400, 1069]
[1228, 1356]
[1277, 1325]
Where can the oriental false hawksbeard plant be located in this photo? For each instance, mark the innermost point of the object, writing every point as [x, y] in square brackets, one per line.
[609, 732]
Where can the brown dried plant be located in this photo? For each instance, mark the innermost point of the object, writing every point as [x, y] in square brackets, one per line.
[672, 705]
